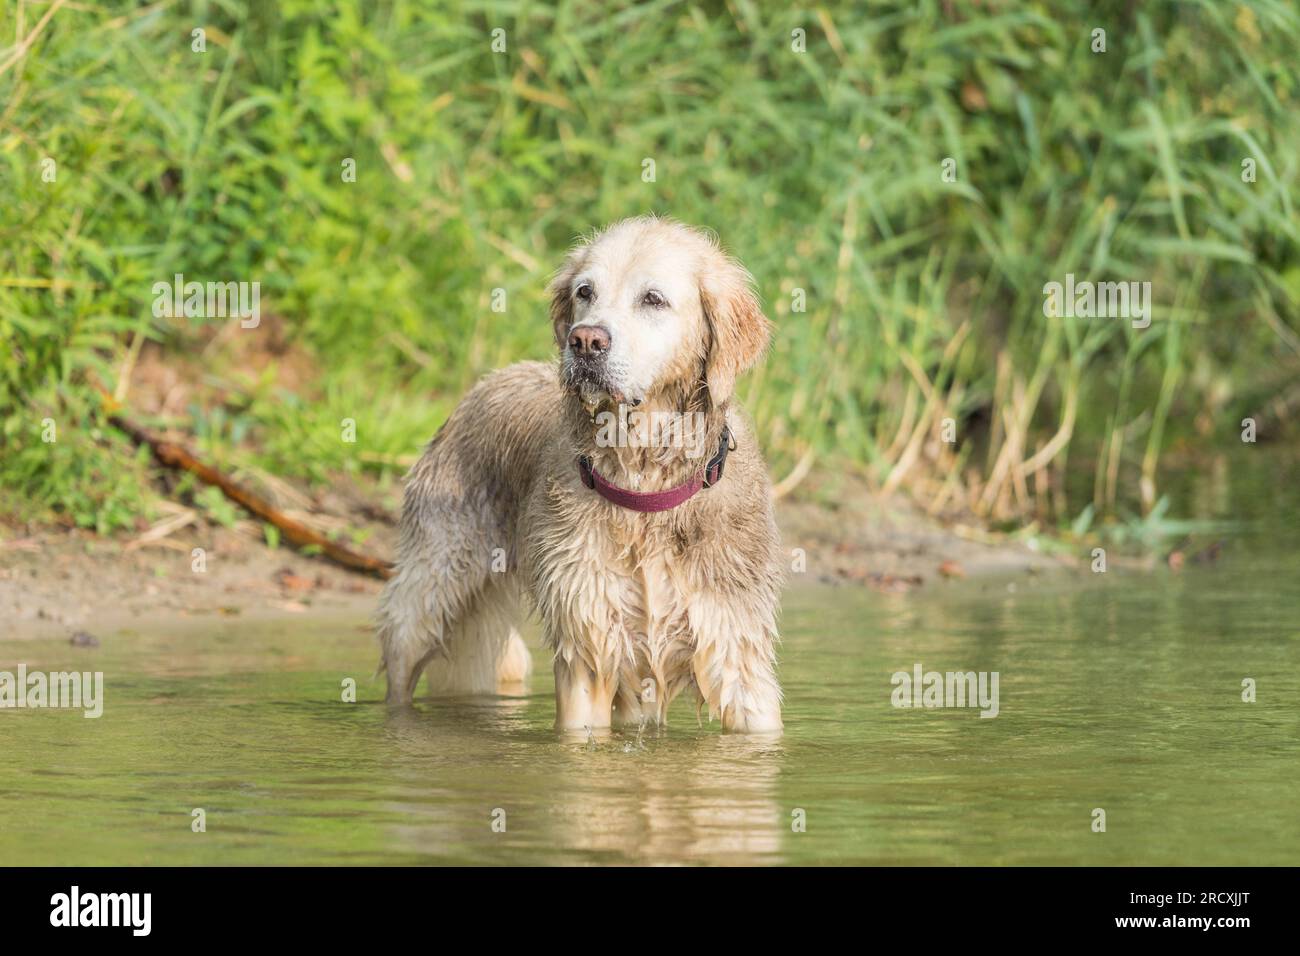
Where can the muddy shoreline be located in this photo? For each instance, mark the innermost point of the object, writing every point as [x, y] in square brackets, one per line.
[61, 582]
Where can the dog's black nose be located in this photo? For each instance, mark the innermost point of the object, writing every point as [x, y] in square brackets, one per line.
[589, 340]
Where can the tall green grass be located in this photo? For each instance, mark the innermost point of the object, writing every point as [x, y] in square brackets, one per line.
[821, 170]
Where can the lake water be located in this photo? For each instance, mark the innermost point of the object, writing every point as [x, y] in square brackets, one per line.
[1120, 692]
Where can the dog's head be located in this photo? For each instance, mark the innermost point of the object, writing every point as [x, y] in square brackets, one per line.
[649, 306]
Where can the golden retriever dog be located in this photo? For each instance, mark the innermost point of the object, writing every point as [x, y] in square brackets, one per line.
[620, 494]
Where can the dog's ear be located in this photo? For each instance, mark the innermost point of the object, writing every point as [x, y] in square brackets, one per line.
[561, 294]
[738, 329]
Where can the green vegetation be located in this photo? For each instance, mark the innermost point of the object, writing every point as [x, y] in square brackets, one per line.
[821, 170]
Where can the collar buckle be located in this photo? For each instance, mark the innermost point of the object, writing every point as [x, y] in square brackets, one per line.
[713, 470]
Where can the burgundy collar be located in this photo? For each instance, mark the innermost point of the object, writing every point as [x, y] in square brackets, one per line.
[647, 501]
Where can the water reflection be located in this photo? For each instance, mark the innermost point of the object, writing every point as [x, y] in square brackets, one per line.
[717, 803]
[653, 797]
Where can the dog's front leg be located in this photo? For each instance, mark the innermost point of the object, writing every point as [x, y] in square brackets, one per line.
[735, 662]
[578, 602]
[628, 708]
[583, 698]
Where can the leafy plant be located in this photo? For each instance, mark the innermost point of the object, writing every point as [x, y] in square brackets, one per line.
[822, 170]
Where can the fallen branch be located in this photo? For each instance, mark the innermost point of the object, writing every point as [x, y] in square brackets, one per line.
[295, 532]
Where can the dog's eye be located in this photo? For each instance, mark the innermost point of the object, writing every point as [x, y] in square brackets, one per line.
[654, 300]
[584, 292]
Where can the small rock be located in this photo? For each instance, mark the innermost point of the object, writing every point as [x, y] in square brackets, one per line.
[890, 583]
[290, 581]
